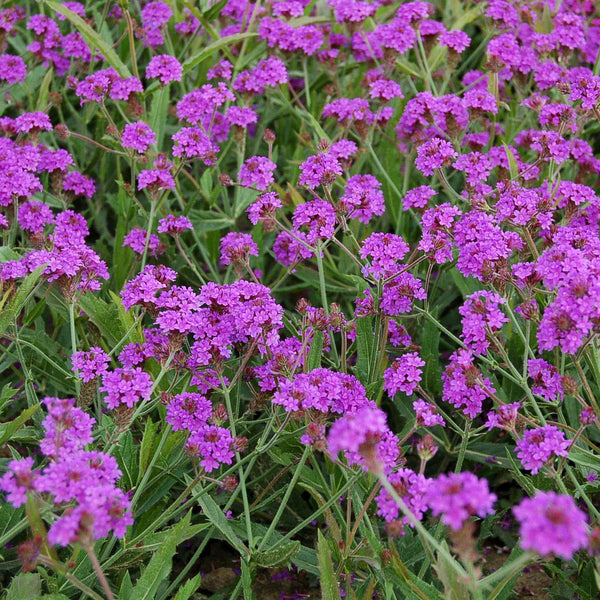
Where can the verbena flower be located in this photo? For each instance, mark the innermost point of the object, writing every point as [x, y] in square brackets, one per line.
[164, 67]
[404, 374]
[551, 523]
[126, 386]
[458, 496]
[90, 364]
[538, 446]
[138, 136]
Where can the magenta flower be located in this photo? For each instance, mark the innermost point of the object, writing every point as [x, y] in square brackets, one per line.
[412, 488]
[458, 496]
[539, 445]
[126, 386]
[173, 225]
[434, 154]
[385, 251]
[12, 69]
[319, 169]
[427, 415]
[404, 374]
[257, 171]
[363, 198]
[90, 364]
[263, 209]
[138, 136]
[18, 480]
[155, 179]
[165, 67]
[551, 523]
[136, 240]
[236, 248]
[193, 142]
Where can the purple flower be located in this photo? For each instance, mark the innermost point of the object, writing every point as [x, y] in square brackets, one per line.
[385, 250]
[237, 248]
[146, 285]
[126, 386]
[427, 415]
[136, 240]
[456, 40]
[481, 317]
[319, 217]
[33, 216]
[213, 445]
[463, 384]
[399, 293]
[18, 480]
[505, 417]
[551, 523]
[263, 209]
[539, 445]
[166, 67]
[90, 364]
[404, 375]
[457, 496]
[257, 171]
[68, 429]
[322, 390]
[138, 136]
[79, 185]
[434, 154]
[155, 179]
[319, 169]
[359, 433]
[363, 198]
[189, 411]
[418, 197]
[412, 488]
[173, 225]
[193, 142]
[12, 69]
[547, 379]
[267, 73]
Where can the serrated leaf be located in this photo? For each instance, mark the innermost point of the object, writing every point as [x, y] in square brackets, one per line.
[329, 586]
[13, 307]
[364, 347]
[316, 350]
[160, 564]
[521, 479]
[147, 446]
[158, 113]
[7, 430]
[277, 558]
[188, 588]
[207, 220]
[215, 515]
[24, 586]
[513, 168]
[205, 53]
[91, 38]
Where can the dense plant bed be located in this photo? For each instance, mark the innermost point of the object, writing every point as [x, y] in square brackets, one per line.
[299, 299]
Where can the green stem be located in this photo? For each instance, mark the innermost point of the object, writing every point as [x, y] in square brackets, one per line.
[74, 342]
[285, 499]
[241, 472]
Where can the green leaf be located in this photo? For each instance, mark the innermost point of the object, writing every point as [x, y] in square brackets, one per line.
[208, 220]
[7, 430]
[24, 586]
[214, 514]
[329, 587]
[364, 346]
[279, 557]
[316, 350]
[42, 101]
[12, 309]
[202, 55]
[512, 163]
[92, 38]
[188, 588]
[147, 446]
[158, 113]
[160, 564]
